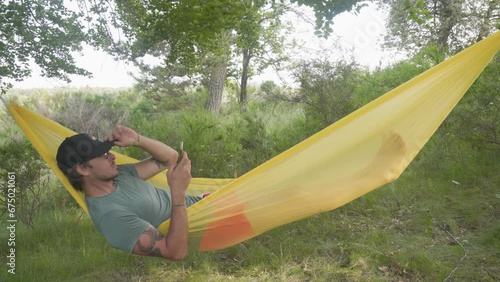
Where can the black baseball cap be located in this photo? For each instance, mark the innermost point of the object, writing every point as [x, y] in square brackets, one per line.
[80, 148]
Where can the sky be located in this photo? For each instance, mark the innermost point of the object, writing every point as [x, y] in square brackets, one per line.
[360, 33]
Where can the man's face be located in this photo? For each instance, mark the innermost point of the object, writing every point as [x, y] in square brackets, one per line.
[103, 168]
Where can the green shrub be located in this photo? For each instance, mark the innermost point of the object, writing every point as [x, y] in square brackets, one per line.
[476, 117]
[327, 90]
[31, 181]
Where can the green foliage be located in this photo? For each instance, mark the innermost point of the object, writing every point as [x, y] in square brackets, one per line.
[327, 90]
[291, 132]
[381, 81]
[450, 25]
[158, 83]
[205, 45]
[147, 24]
[251, 134]
[268, 88]
[417, 12]
[210, 147]
[96, 115]
[325, 11]
[477, 119]
[44, 32]
[31, 180]
[217, 147]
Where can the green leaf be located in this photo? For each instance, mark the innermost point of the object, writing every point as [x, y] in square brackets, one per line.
[407, 5]
[42, 31]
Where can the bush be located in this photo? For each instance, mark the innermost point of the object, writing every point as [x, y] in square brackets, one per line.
[477, 115]
[32, 179]
[381, 81]
[327, 90]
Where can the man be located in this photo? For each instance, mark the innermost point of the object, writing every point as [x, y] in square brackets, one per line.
[123, 206]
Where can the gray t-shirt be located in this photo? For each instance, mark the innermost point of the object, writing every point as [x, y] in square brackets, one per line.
[123, 215]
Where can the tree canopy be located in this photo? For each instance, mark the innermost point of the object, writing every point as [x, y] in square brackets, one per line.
[42, 32]
[188, 35]
[221, 29]
[325, 11]
[47, 33]
[450, 25]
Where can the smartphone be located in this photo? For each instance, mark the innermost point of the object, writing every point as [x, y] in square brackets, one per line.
[181, 150]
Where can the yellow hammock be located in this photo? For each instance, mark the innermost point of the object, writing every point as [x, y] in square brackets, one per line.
[369, 148]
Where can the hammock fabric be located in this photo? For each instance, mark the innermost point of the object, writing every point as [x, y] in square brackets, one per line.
[369, 148]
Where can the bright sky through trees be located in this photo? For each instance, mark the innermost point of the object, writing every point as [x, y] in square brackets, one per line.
[362, 34]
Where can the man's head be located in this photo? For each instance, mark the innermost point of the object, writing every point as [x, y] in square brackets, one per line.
[74, 154]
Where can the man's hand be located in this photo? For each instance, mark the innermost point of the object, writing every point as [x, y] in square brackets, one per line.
[123, 136]
[179, 176]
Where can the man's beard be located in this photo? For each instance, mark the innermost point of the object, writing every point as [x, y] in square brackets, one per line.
[109, 178]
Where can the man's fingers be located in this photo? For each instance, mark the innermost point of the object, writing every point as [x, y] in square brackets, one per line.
[185, 155]
[185, 160]
[171, 168]
[179, 174]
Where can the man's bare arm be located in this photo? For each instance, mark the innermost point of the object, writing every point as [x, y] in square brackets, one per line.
[174, 245]
[152, 243]
[162, 155]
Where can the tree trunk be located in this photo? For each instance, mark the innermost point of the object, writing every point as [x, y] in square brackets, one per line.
[244, 81]
[216, 86]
